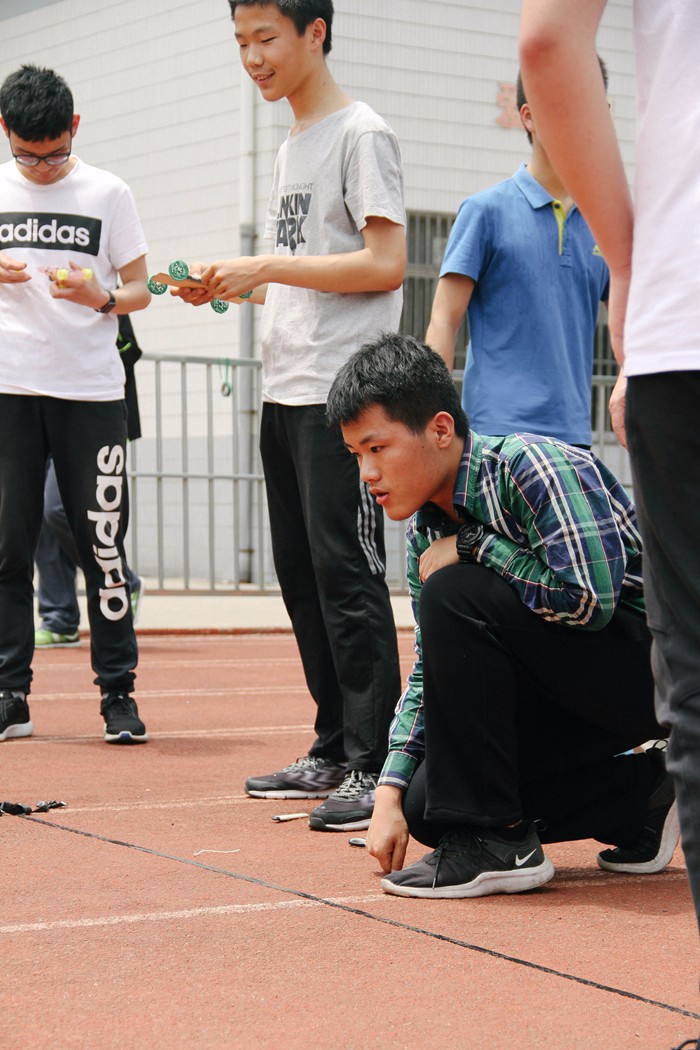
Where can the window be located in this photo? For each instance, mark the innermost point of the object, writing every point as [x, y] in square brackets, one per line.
[427, 237]
[605, 371]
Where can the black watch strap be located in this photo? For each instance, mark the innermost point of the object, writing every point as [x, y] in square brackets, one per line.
[108, 306]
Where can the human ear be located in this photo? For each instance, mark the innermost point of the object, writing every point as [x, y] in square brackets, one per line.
[443, 427]
[526, 118]
[318, 31]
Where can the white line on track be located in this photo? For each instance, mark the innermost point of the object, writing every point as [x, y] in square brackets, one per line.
[593, 876]
[184, 694]
[176, 803]
[175, 661]
[186, 734]
[188, 913]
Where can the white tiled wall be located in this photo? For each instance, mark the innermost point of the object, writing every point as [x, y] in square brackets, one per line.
[159, 88]
[158, 85]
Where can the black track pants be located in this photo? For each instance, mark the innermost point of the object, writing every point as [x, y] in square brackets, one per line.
[328, 547]
[87, 440]
[523, 717]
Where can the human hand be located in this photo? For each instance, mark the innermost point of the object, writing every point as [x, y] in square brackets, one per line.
[440, 553]
[233, 278]
[387, 835]
[77, 284]
[197, 296]
[12, 271]
[616, 407]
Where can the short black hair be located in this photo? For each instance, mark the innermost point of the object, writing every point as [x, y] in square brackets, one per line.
[404, 376]
[36, 104]
[521, 98]
[301, 12]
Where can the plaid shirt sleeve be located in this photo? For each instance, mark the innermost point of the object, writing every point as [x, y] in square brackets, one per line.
[406, 735]
[570, 562]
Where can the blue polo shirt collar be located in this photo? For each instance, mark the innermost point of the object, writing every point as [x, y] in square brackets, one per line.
[533, 191]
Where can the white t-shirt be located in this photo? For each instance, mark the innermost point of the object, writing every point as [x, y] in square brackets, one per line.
[50, 346]
[328, 181]
[662, 332]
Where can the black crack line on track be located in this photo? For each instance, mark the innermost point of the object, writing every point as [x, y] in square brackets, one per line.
[376, 918]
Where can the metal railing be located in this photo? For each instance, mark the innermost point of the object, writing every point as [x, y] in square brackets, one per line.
[198, 517]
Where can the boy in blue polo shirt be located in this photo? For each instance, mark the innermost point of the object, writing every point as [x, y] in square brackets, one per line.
[522, 262]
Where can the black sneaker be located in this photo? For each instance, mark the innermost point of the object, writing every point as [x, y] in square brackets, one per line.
[14, 716]
[308, 777]
[474, 862]
[349, 808]
[122, 722]
[656, 844]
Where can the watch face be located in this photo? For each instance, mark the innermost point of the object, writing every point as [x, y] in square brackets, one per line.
[467, 538]
[469, 534]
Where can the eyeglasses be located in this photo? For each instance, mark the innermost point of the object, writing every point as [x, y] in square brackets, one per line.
[54, 160]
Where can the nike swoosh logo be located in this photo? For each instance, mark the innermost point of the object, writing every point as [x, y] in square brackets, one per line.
[519, 861]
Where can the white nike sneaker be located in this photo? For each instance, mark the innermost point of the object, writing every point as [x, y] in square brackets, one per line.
[474, 862]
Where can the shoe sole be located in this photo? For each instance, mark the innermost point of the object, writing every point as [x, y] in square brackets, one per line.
[288, 793]
[316, 824]
[125, 737]
[15, 732]
[484, 885]
[669, 841]
[59, 645]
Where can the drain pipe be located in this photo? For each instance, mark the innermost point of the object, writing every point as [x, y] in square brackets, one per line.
[247, 413]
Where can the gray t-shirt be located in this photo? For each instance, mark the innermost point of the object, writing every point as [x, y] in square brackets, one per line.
[328, 181]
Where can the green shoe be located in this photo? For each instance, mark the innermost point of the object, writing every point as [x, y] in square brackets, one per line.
[45, 639]
[135, 598]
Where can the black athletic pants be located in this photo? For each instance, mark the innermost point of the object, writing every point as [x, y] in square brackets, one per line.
[87, 440]
[524, 717]
[664, 444]
[56, 558]
[328, 548]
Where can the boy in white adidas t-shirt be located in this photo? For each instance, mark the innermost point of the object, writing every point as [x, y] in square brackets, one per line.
[68, 231]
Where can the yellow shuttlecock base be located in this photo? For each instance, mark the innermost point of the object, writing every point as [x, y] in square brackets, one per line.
[63, 275]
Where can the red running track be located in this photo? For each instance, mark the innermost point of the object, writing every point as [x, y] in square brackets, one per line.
[162, 908]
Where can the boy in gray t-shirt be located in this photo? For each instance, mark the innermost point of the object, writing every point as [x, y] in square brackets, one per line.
[332, 282]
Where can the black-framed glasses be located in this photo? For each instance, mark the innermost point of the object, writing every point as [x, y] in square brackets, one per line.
[54, 160]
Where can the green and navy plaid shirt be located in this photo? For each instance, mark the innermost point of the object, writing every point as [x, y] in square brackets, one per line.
[560, 529]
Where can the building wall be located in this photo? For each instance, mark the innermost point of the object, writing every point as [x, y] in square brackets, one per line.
[436, 79]
[165, 105]
[160, 90]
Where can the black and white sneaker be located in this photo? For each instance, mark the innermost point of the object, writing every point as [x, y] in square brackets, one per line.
[350, 807]
[655, 846]
[122, 722]
[308, 777]
[474, 862]
[14, 715]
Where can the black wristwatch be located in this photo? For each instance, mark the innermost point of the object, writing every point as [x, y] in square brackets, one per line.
[468, 537]
[108, 306]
